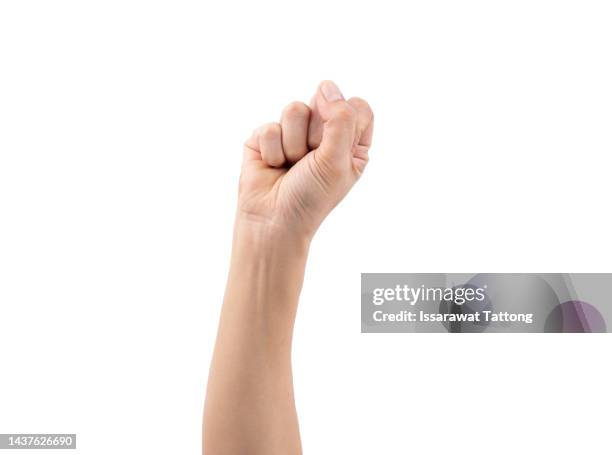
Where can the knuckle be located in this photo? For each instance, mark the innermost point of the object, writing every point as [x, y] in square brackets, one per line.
[296, 109]
[363, 107]
[270, 131]
[345, 114]
[360, 104]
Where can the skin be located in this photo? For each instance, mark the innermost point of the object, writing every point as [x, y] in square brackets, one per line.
[293, 174]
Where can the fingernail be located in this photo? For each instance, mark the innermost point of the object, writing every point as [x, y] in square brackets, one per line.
[330, 91]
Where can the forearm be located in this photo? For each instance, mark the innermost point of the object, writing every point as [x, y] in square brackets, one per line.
[250, 407]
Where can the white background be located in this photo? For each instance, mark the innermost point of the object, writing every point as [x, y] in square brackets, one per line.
[121, 125]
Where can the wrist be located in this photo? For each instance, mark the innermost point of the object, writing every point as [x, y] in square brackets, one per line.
[270, 259]
[270, 238]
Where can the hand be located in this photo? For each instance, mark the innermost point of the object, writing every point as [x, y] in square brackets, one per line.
[296, 171]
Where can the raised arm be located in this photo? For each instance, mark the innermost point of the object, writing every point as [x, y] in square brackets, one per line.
[294, 173]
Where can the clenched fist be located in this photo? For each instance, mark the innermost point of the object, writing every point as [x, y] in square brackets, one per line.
[296, 171]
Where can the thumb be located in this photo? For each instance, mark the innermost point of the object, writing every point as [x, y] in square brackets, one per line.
[339, 123]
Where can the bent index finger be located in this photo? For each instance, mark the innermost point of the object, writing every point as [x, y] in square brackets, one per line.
[294, 124]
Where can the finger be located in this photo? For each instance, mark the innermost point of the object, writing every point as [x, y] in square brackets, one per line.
[365, 121]
[339, 122]
[294, 124]
[251, 147]
[270, 144]
[315, 127]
